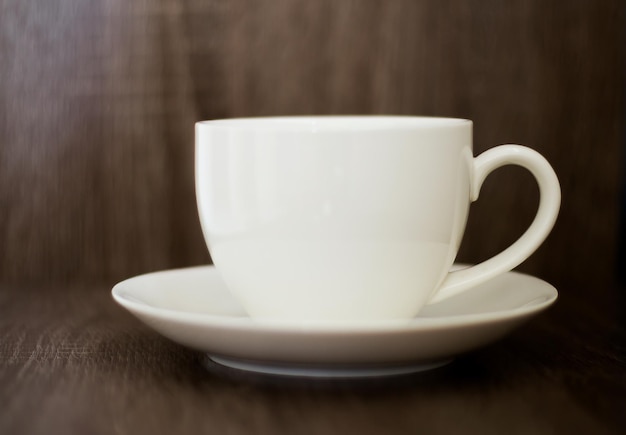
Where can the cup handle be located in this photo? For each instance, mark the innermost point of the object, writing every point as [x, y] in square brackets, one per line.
[549, 202]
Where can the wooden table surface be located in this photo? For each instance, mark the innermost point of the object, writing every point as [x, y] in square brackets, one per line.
[73, 362]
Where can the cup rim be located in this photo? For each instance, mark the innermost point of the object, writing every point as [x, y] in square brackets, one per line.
[317, 123]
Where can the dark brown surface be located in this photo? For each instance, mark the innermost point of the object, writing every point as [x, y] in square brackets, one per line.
[97, 105]
[98, 101]
[73, 362]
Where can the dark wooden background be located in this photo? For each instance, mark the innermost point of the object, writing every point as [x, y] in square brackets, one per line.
[98, 101]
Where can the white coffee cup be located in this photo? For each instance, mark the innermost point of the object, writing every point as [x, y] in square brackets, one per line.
[350, 218]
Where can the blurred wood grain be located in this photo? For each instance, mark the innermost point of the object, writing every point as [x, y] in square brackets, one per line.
[98, 101]
[75, 363]
[97, 105]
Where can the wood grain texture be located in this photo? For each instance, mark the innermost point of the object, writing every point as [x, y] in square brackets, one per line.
[98, 101]
[71, 362]
[97, 105]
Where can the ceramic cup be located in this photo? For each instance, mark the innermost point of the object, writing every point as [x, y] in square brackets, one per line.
[350, 218]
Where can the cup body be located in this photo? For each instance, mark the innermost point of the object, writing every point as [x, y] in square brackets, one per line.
[333, 218]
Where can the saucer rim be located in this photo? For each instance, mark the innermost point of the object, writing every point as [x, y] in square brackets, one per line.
[245, 323]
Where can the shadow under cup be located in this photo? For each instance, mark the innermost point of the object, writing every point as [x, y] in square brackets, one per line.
[344, 218]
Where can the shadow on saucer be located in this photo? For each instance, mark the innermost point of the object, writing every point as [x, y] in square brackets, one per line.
[423, 379]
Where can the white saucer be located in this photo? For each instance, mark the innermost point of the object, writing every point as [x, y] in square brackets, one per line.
[193, 307]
